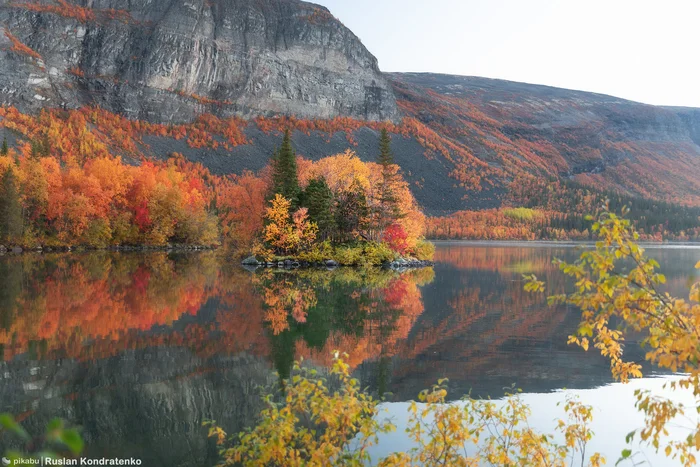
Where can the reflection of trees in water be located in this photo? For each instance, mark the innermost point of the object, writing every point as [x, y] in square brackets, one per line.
[477, 318]
[96, 305]
[69, 301]
[311, 313]
[174, 338]
[140, 348]
[484, 332]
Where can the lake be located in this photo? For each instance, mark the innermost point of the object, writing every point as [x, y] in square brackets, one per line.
[140, 348]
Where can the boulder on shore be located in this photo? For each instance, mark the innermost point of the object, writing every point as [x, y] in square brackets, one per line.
[250, 261]
[406, 263]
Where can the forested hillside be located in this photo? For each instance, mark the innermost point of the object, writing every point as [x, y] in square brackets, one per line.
[469, 148]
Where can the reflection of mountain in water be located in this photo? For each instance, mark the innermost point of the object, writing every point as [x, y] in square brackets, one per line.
[484, 333]
[139, 349]
[148, 403]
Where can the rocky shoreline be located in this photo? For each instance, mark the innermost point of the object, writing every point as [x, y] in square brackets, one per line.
[400, 264]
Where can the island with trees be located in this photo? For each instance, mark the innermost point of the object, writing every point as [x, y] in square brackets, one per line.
[340, 211]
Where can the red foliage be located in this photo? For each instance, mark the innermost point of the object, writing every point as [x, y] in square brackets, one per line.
[395, 236]
[141, 216]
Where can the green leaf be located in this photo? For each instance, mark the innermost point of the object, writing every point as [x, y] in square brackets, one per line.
[9, 424]
[630, 436]
[585, 330]
[73, 440]
[55, 424]
[626, 453]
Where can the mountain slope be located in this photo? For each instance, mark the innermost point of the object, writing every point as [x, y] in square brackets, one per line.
[461, 141]
[599, 140]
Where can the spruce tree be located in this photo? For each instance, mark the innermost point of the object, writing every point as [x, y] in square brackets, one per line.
[318, 198]
[10, 208]
[285, 180]
[386, 158]
[387, 210]
[4, 150]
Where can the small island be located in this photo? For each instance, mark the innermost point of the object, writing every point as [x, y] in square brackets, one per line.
[340, 211]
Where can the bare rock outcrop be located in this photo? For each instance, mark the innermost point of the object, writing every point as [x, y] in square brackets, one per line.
[171, 60]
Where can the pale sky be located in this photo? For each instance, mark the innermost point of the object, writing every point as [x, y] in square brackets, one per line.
[648, 51]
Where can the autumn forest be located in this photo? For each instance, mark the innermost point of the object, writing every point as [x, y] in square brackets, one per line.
[80, 178]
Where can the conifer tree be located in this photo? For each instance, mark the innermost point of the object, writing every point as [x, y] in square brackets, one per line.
[285, 180]
[10, 208]
[386, 157]
[4, 150]
[387, 210]
[318, 198]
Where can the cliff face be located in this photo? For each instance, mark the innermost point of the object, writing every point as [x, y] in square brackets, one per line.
[691, 119]
[169, 60]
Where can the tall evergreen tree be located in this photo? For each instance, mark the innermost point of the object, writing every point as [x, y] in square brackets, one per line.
[4, 150]
[386, 157]
[318, 198]
[387, 210]
[285, 179]
[10, 208]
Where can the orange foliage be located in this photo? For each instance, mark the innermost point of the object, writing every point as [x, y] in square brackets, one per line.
[20, 48]
[82, 204]
[76, 72]
[319, 15]
[203, 99]
[63, 8]
[241, 206]
[106, 202]
[76, 12]
[496, 224]
[341, 170]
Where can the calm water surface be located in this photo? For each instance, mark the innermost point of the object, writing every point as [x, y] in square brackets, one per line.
[139, 349]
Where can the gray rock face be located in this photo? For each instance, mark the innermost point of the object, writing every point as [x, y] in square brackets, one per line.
[691, 118]
[170, 60]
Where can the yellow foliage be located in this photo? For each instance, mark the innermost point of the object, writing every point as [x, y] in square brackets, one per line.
[288, 237]
[315, 426]
[312, 426]
[341, 170]
[670, 327]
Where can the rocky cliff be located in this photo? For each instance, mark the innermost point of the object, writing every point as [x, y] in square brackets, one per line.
[170, 60]
[691, 119]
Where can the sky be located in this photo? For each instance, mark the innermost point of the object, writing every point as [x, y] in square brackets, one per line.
[647, 51]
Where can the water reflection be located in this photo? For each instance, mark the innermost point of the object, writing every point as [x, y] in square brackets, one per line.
[140, 348]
